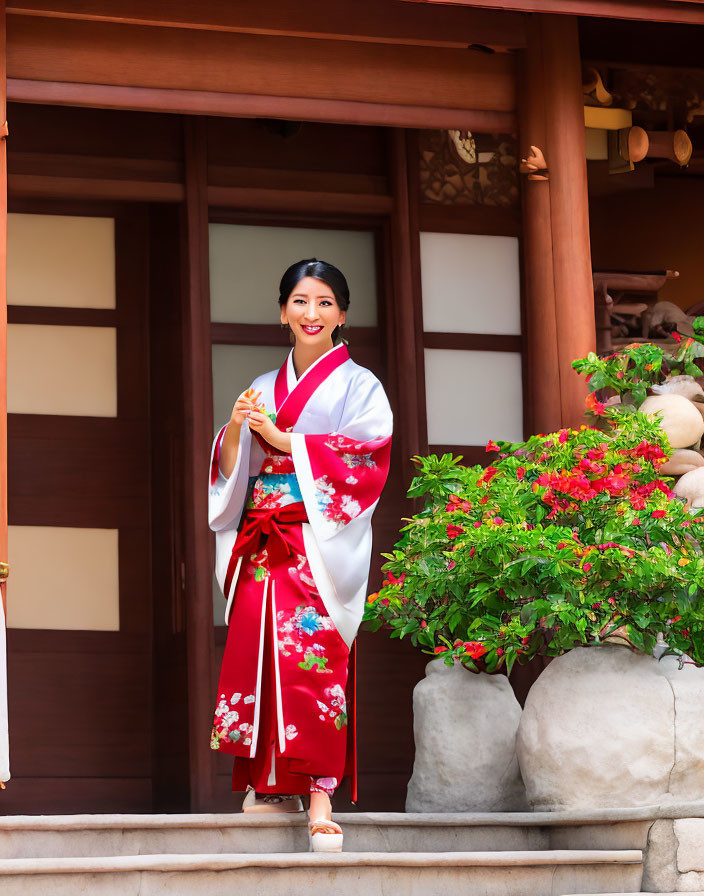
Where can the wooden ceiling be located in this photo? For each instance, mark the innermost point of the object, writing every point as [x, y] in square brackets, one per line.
[685, 11]
[352, 61]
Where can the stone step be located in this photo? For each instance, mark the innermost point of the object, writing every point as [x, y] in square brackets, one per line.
[497, 873]
[55, 836]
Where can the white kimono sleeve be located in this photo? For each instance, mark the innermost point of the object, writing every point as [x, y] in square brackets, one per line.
[341, 476]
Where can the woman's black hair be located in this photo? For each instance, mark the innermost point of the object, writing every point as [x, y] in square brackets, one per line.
[321, 270]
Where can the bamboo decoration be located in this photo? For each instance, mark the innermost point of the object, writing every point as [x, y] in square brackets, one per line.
[674, 145]
[638, 144]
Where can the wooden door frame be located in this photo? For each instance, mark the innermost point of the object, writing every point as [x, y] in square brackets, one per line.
[3, 307]
[397, 242]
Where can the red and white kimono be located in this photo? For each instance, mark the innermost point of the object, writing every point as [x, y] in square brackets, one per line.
[293, 547]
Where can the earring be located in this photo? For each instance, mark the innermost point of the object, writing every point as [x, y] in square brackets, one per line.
[291, 337]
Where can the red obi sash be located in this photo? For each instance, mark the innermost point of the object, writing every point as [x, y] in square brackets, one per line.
[259, 525]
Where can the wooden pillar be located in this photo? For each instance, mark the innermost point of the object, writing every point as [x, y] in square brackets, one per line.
[4, 735]
[406, 318]
[540, 337]
[198, 422]
[3, 301]
[552, 109]
[569, 207]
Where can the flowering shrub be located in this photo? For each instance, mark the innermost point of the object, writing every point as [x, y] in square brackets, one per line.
[631, 370]
[567, 539]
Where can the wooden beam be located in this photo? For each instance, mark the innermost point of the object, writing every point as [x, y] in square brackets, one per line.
[62, 317]
[543, 407]
[569, 208]
[256, 199]
[198, 426]
[372, 21]
[51, 187]
[3, 314]
[205, 102]
[169, 59]
[410, 388]
[492, 220]
[416, 293]
[473, 342]
[687, 12]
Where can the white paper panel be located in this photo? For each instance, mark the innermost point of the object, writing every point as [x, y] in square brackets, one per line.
[60, 260]
[234, 369]
[470, 283]
[61, 370]
[247, 263]
[63, 578]
[472, 396]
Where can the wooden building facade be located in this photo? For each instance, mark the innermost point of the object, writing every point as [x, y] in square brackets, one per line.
[165, 158]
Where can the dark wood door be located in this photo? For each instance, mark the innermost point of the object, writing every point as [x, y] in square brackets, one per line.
[80, 700]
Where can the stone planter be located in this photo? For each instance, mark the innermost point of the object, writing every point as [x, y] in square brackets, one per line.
[606, 727]
[465, 727]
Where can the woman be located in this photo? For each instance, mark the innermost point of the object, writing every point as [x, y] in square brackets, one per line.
[295, 477]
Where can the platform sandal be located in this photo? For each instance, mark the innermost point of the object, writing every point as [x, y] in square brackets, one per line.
[322, 839]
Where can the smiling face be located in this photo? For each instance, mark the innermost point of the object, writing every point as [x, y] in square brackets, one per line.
[312, 313]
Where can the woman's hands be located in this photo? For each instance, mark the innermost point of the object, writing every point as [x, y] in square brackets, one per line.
[229, 448]
[247, 407]
[267, 429]
[246, 402]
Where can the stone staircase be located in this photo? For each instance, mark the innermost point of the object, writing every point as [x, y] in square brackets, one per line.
[512, 854]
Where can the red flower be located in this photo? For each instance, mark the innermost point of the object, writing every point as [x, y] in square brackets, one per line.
[676, 336]
[658, 514]
[423, 623]
[451, 564]
[597, 453]
[491, 446]
[616, 483]
[564, 435]
[488, 475]
[500, 651]
[440, 649]
[477, 524]
[475, 649]
[594, 405]
[498, 521]
[472, 552]
[454, 531]
[587, 567]
[384, 601]
[636, 522]
[597, 605]
[396, 581]
[520, 473]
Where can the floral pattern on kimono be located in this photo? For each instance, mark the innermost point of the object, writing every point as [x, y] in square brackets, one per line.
[347, 474]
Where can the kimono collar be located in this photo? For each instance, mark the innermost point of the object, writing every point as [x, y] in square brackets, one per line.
[291, 395]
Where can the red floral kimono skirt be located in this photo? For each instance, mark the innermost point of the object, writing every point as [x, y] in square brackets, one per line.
[281, 707]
